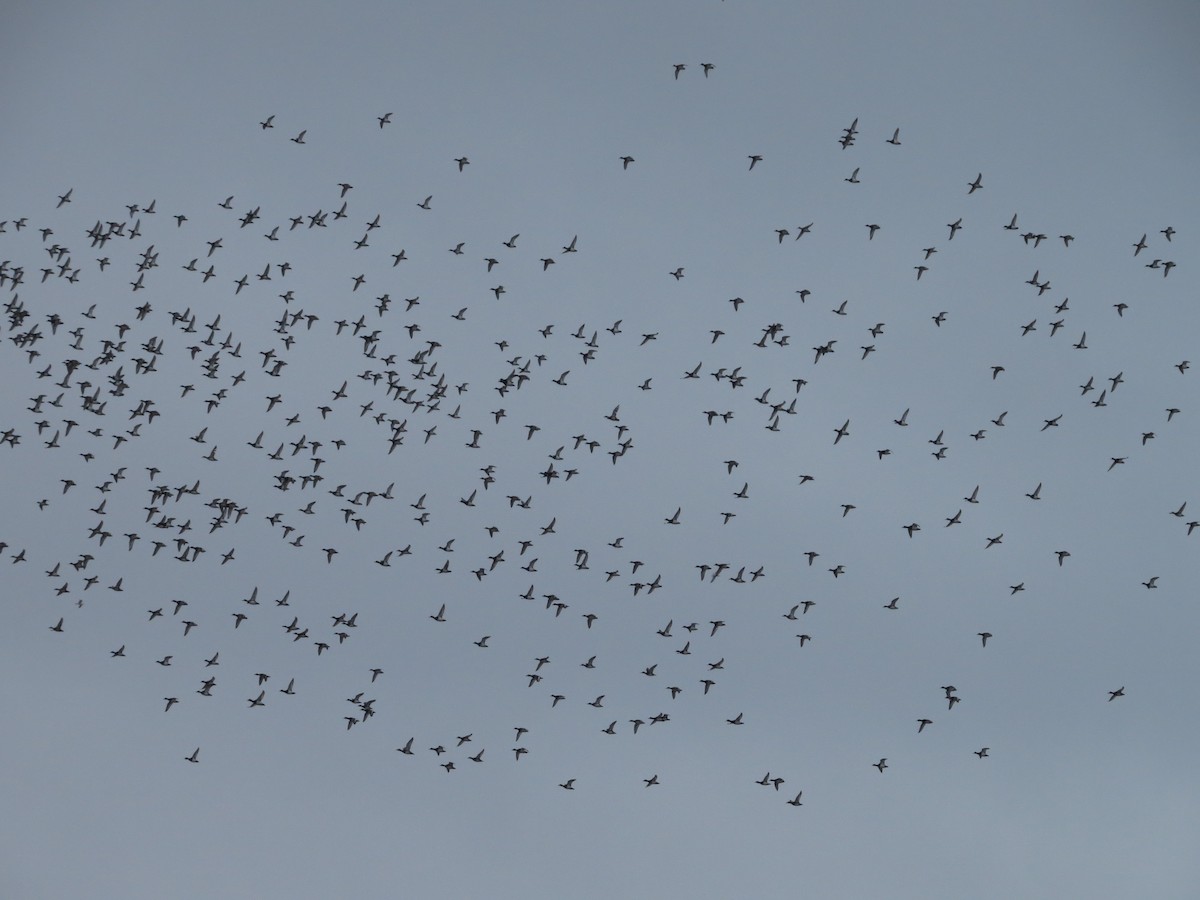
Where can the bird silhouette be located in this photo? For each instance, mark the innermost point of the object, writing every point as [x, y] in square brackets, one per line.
[90, 390]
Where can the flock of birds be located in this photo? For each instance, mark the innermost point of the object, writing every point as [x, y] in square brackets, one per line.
[135, 416]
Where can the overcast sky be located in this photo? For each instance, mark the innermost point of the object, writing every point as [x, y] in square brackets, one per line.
[521, 492]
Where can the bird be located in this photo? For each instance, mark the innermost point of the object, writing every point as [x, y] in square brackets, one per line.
[195, 757]
[413, 362]
[1113, 695]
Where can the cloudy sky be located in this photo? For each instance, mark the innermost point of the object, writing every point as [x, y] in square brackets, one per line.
[496, 429]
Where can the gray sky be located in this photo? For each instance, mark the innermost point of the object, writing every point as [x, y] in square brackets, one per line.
[1080, 119]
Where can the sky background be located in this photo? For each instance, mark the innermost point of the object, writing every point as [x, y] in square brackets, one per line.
[1081, 119]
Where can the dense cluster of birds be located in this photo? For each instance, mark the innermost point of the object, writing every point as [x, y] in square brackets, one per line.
[190, 436]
